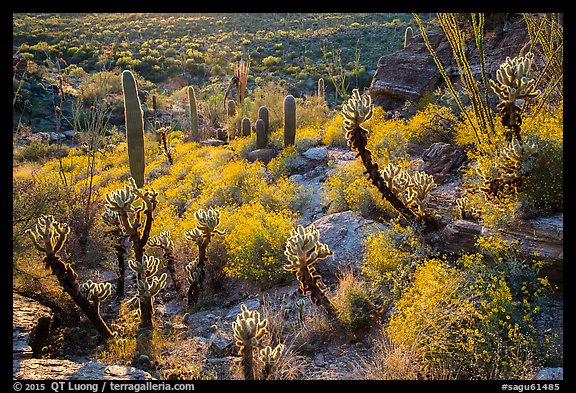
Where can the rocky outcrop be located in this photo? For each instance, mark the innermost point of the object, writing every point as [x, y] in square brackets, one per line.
[540, 238]
[411, 73]
[62, 369]
[30, 326]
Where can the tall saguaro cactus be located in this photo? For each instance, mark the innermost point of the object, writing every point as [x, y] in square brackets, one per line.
[246, 126]
[289, 120]
[49, 237]
[134, 118]
[193, 115]
[261, 135]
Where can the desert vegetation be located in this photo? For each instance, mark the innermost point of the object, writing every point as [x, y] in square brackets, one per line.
[164, 205]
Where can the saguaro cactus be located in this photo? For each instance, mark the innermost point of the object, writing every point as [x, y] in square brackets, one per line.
[321, 88]
[245, 126]
[261, 135]
[408, 34]
[231, 118]
[49, 237]
[264, 114]
[289, 120]
[303, 249]
[195, 134]
[134, 118]
[248, 331]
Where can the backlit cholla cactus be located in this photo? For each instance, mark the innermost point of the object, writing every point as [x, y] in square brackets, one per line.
[413, 190]
[270, 357]
[138, 228]
[207, 222]
[248, 331]
[513, 165]
[513, 84]
[164, 242]
[464, 209]
[96, 292]
[303, 249]
[355, 111]
[48, 237]
[148, 284]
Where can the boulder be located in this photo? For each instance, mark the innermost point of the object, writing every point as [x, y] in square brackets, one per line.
[30, 326]
[264, 155]
[316, 153]
[411, 73]
[344, 233]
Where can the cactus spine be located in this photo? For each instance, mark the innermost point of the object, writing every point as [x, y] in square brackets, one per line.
[49, 237]
[134, 118]
[289, 120]
[261, 135]
[193, 115]
[245, 126]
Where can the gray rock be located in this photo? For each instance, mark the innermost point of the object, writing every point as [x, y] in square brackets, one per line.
[251, 304]
[264, 155]
[70, 133]
[316, 153]
[550, 373]
[344, 233]
[57, 136]
[61, 369]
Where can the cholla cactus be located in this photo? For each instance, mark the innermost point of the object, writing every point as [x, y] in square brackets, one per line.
[248, 331]
[192, 272]
[357, 110]
[270, 357]
[48, 237]
[513, 84]
[162, 133]
[164, 242]
[112, 219]
[148, 285]
[514, 164]
[208, 220]
[120, 200]
[96, 292]
[464, 209]
[303, 249]
[421, 184]
[206, 227]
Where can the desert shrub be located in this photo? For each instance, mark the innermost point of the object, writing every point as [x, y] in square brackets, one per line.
[285, 163]
[389, 256]
[352, 301]
[474, 321]
[41, 152]
[431, 124]
[334, 134]
[255, 240]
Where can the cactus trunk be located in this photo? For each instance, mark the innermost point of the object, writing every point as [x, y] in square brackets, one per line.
[134, 127]
[289, 120]
[193, 115]
[261, 136]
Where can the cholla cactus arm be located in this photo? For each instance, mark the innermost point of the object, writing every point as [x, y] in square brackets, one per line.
[513, 83]
[150, 288]
[96, 292]
[194, 235]
[48, 235]
[270, 357]
[145, 269]
[357, 110]
[207, 221]
[248, 331]
[192, 272]
[162, 241]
